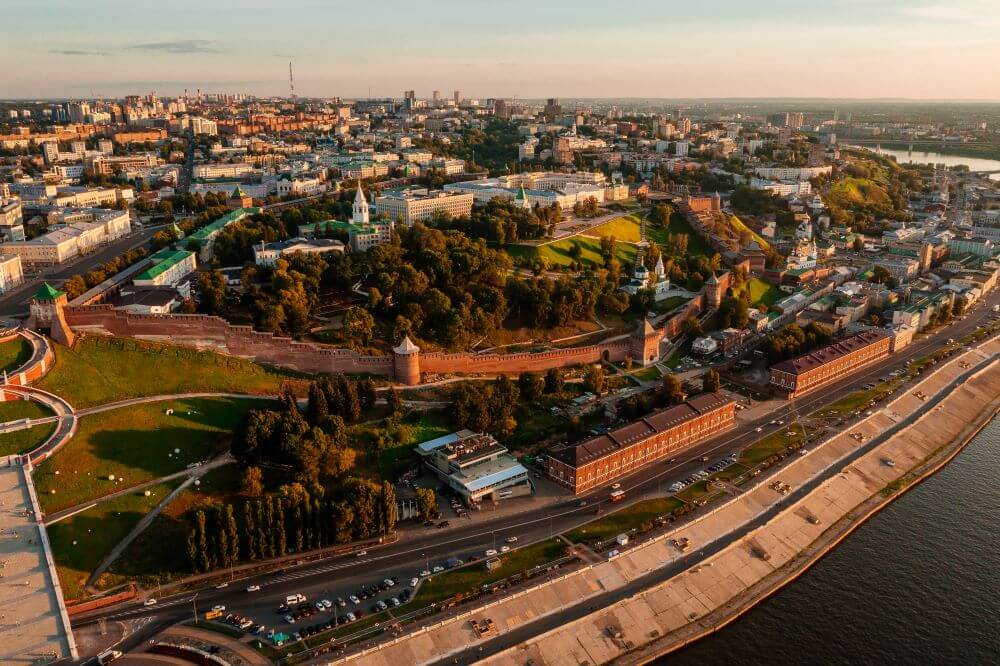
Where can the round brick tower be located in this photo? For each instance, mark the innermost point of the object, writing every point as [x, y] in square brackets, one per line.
[406, 362]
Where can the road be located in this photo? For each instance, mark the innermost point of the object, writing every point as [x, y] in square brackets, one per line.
[529, 630]
[417, 547]
[15, 302]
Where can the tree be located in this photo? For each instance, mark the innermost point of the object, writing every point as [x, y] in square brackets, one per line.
[359, 324]
[204, 564]
[426, 503]
[394, 401]
[74, 287]
[232, 534]
[553, 380]
[531, 386]
[253, 482]
[710, 381]
[593, 379]
[671, 391]
[691, 326]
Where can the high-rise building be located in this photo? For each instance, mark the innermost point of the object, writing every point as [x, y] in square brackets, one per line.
[436, 97]
[409, 99]
[458, 98]
[500, 109]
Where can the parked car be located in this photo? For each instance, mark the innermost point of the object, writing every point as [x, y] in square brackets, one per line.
[253, 588]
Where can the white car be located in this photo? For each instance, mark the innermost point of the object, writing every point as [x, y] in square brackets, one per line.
[361, 553]
[253, 588]
[351, 617]
[437, 569]
[354, 600]
[414, 581]
[504, 549]
[512, 539]
[425, 572]
[149, 602]
[327, 604]
[388, 582]
[219, 607]
[491, 553]
[758, 429]
[289, 619]
[221, 586]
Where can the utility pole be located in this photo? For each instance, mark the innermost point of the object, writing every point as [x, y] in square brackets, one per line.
[194, 607]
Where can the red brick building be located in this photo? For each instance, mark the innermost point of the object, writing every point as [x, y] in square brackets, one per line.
[808, 372]
[602, 459]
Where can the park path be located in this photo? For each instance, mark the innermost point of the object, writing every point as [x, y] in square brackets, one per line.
[106, 407]
[194, 472]
[141, 526]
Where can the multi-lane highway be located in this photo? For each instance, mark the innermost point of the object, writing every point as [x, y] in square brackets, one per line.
[417, 548]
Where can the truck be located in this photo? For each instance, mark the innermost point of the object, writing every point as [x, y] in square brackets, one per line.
[293, 599]
[617, 496]
[108, 656]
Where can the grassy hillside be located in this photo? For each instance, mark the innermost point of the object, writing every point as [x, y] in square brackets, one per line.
[100, 370]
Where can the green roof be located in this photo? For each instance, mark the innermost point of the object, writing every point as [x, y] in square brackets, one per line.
[164, 260]
[48, 293]
[349, 227]
[235, 216]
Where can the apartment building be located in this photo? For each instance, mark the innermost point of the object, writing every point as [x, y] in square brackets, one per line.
[92, 229]
[600, 460]
[211, 171]
[792, 173]
[410, 207]
[11, 273]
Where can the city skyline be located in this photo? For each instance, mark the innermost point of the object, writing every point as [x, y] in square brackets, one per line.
[861, 49]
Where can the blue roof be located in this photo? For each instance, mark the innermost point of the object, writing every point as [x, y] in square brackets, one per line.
[434, 444]
[496, 477]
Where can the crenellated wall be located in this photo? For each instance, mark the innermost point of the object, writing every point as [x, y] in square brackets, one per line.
[207, 332]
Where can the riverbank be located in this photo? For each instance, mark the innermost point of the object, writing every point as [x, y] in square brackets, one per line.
[759, 536]
[798, 566]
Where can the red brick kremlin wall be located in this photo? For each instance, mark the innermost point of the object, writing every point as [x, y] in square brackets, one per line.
[206, 332]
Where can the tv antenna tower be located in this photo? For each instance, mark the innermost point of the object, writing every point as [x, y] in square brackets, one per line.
[291, 80]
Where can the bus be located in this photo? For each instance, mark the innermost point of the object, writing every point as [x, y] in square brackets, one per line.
[617, 495]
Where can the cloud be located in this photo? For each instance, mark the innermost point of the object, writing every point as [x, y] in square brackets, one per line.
[179, 46]
[77, 52]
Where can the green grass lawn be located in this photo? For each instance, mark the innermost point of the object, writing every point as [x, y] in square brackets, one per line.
[101, 370]
[559, 252]
[136, 444]
[96, 531]
[631, 517]
[860, 399]
[14, 353]
[626, 228]
[761, 292]
[22, 441]
[468, 579]
[649, 374]
[773, 444]
[15, 410]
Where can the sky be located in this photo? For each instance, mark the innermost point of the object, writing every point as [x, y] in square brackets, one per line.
[920, 49]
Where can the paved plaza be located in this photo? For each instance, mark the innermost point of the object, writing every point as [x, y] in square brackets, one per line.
[33, 625]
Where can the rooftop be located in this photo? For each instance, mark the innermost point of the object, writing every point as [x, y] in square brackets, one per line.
[815, 359]
[639, 430]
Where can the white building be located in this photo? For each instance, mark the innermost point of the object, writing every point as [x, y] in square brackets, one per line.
[11, 273]
[169, 268]
[409, 207]
[267, 254]
[89, 229]
[792, 173]
[211, 171]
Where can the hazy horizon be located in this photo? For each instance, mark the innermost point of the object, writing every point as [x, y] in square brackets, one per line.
[864, 50]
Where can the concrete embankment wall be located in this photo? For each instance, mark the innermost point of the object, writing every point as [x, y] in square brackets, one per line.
[702, 599]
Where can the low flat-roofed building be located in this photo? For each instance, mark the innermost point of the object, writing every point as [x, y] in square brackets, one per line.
[604, 458]
[155, 300]
[82, 231]
[169, 268]
[810, 371]
[475, 466]
[11, 272]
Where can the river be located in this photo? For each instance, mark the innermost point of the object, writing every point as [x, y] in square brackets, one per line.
[922, 157]
[919, 583]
